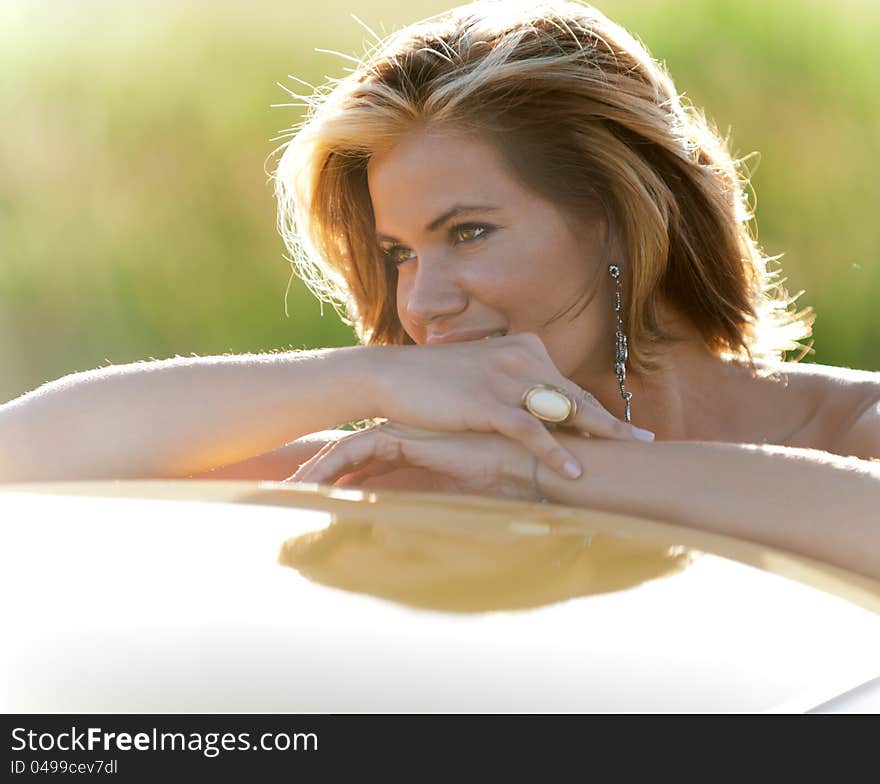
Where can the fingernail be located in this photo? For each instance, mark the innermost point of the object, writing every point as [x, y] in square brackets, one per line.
[642, 435]
[571, 469]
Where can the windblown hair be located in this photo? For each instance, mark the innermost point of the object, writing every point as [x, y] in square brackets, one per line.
[585, 118]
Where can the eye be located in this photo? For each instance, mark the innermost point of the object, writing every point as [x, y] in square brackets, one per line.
[468, 232]
[396, 255]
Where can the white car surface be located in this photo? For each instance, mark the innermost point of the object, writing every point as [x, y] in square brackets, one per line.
[239, 596]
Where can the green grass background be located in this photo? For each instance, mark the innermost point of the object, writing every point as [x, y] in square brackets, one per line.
[136, 218]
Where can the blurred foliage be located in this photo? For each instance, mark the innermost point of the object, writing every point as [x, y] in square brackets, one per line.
[137, 220]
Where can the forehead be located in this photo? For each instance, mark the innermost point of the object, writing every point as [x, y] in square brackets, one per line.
[426, 172]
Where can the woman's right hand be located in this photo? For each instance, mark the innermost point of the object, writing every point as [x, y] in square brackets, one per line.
[478, 385]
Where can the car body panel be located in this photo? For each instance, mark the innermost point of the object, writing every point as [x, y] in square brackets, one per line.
[234, 597]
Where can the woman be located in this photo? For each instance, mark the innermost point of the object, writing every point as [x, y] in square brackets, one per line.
[537, 242]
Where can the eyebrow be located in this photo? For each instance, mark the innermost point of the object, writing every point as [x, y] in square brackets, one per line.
[456, 209]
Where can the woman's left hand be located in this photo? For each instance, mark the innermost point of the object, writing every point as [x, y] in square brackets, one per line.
[466, 462]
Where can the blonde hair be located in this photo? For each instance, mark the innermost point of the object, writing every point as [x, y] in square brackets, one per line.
[584, 117]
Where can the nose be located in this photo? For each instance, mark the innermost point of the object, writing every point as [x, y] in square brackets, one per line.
[431, 294]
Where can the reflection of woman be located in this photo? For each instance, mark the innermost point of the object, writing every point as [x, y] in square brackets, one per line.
[530, 177]
[472, 573]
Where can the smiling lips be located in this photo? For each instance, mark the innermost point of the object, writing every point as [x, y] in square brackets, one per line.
[460, 337]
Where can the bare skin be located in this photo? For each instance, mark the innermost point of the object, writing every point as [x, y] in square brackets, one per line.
[500, 269]
[517, 265]
[508, 277]
[809, 407]
[497, 298]
[504, 271]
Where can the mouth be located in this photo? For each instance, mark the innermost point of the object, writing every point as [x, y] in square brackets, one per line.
[461, 337]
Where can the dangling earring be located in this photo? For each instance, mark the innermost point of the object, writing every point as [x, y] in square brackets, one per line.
[622, 351]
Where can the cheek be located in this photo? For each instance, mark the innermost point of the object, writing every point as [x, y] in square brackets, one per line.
[512, 278]
[537, 286]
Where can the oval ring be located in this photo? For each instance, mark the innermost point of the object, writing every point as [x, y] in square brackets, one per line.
[549, 404]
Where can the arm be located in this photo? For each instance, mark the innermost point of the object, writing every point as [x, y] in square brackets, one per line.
[810, 502]
[277, 464]
[862, 438]
[183, 416]
[176, 417]
[814, 503]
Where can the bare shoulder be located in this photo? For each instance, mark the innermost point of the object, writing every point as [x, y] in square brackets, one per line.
[847, 406]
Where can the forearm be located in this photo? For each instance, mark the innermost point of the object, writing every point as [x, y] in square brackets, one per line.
[805, 501]
[179, 416]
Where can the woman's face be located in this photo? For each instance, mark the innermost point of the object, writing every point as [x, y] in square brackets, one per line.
[476, 252]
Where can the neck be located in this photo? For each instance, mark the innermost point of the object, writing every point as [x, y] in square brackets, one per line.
[694, 396]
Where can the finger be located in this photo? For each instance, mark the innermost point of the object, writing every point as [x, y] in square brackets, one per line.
[592, 417]
[304, 468]
[306, 474]
[352, 453]
[341, 457]
[518, 424]
[357, 477]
